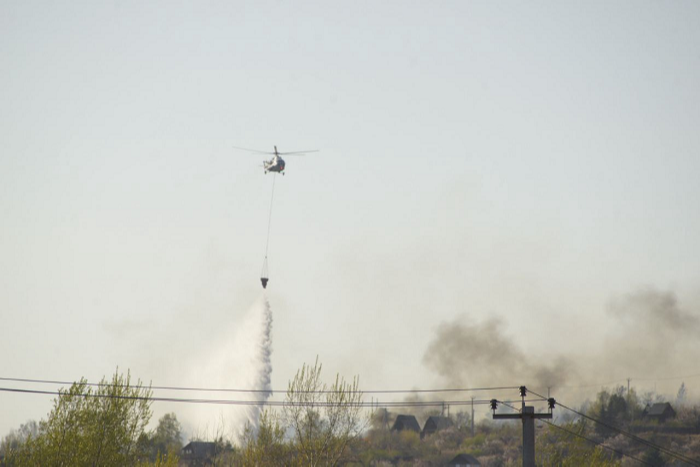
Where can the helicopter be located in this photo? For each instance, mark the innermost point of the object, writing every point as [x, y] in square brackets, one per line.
[276, 164]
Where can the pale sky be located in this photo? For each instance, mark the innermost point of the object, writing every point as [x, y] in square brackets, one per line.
[533, 161]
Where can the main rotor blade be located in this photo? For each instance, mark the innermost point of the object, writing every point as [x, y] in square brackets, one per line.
[297, 153]
[253, 150]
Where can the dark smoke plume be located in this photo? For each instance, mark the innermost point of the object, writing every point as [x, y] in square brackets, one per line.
[647, 335]
[651, 335]
[478, 354]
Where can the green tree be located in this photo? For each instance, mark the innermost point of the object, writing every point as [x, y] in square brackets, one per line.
[90, 426]
[165, 440]
[265, 446]
[15, 439]
[615, 409]
[161, 460]
[323, 420]
[566, 447]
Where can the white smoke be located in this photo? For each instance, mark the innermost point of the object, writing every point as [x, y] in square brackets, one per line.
[240, 360]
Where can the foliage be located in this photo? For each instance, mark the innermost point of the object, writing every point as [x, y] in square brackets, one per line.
[689, 416]
[165, 441]
[161, 460]
[463, 420]
[617, 408]
[322, 419]
[495, 443]
[224, 454]
[321, 425]
[16, 438]
[380, 419]
[266, 446]
[317, 425]
[654, 458]
[90, 426]
[391, 446]
[566, 446]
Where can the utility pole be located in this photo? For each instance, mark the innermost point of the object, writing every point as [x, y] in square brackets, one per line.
[528, 416]
[472, 417]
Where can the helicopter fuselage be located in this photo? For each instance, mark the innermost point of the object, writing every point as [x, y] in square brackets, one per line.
[276, 164]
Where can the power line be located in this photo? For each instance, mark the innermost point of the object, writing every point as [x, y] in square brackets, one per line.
[596, 385]
[643, 441]
[580, 435]
[597, 443]
[265, 391]
[631, 378]
[636, 438]
[669, 378]
[271, 403]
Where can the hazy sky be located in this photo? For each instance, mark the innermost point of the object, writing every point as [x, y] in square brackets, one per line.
[534, 162]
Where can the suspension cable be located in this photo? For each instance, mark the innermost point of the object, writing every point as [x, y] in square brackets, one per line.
[269, 218]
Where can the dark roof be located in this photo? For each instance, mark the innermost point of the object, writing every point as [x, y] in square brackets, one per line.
[464, 459]
[406, 422]
[437, 423]
[199, 450]
[660, 408]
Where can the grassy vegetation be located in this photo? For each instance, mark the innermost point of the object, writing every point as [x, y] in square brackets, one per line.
[319, 427]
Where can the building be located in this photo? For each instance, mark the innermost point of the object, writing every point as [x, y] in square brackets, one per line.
[659, 411]
[464, 460]
[406, 422]
[435, 423]
[198, 454]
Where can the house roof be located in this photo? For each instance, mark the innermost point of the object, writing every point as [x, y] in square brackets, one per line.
[199, 449]
[440, 423]
[660, 408]
[406, 422]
